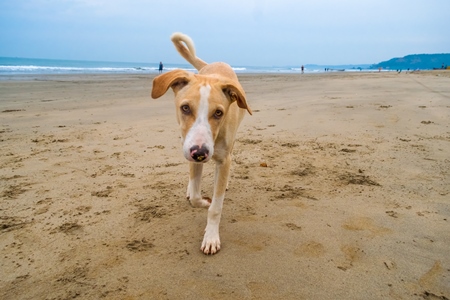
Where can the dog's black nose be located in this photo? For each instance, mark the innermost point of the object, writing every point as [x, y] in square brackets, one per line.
[199, 153]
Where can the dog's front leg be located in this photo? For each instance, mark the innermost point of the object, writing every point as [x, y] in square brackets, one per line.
[211, 239]
[194, 191]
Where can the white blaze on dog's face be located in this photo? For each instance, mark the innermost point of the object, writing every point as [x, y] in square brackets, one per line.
[202, 105]
[200, 114]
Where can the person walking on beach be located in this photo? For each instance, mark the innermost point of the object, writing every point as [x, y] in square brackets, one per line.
[161, 67]
[303, 69]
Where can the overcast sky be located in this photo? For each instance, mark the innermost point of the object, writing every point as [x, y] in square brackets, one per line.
[240, 32]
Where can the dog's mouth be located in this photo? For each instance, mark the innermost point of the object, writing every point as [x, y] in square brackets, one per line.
[199, 158]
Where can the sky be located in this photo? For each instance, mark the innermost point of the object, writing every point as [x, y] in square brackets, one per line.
[239, 32]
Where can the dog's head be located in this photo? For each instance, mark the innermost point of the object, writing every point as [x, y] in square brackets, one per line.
[202, 104]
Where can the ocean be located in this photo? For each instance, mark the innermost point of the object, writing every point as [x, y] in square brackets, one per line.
[33, 66]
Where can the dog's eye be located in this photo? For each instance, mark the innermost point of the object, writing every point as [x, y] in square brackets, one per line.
[218, 114]
[186, 109]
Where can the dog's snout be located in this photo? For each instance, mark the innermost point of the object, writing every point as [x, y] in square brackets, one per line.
[199, 154]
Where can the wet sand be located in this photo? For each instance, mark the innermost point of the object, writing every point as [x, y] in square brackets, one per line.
[340, 189]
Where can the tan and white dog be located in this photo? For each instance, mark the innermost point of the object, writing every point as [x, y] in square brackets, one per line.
[210, 106]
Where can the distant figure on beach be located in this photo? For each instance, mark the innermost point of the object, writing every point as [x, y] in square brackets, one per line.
[303, 69]
[161, 67]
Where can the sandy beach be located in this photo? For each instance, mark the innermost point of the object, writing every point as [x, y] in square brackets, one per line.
[340, 189]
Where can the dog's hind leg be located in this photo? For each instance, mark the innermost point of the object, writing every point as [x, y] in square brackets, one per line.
[211, 239]
[194, 191]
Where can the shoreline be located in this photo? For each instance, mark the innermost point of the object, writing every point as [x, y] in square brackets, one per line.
[24, 77]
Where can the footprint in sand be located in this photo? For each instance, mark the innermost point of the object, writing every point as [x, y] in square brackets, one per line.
[68, 228]
[430, 279]
[139, 245]
[352, 254]
[365, 224]
[293, 226]
[310, 249]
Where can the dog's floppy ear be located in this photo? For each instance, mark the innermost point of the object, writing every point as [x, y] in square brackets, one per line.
[176, 79]
[235, 93]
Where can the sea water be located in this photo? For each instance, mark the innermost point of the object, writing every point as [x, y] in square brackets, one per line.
[24, 66]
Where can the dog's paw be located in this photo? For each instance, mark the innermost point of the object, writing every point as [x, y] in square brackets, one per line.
[210, 246]
[211, 242]
[201, 202]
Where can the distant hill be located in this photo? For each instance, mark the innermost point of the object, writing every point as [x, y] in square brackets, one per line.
[415, 61]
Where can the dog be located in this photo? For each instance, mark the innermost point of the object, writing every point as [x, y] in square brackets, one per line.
[210, 106]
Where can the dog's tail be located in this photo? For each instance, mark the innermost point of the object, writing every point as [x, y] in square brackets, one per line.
[188, 53]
